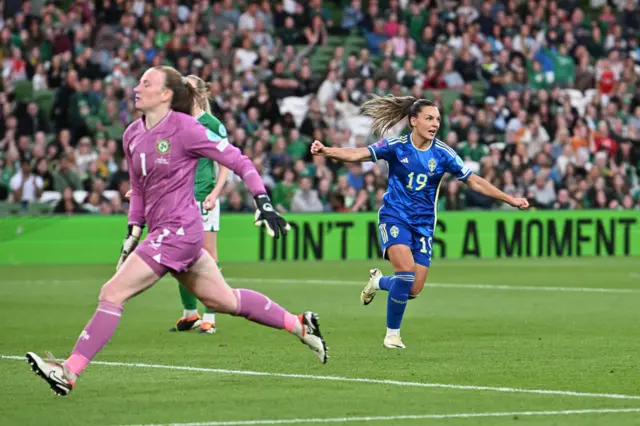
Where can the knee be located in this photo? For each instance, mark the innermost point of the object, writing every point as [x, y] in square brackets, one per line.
[226, 303]
[416, 289]
[112, 294]
[418, 284]
[407, 265]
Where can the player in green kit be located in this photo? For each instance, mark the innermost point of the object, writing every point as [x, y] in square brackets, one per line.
[207, 191]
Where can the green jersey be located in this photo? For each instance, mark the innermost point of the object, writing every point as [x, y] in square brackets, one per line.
[205, 173]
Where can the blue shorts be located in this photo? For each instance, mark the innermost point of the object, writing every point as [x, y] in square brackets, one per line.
[392, 233]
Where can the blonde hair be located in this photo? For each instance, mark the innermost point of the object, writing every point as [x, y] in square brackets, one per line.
[202, 92]
[390, 110]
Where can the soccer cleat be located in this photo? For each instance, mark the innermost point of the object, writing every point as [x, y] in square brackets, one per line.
[186, 324]
[312, 336]
[208, 328]
[52, 372]
[369, 291]
[393, 342]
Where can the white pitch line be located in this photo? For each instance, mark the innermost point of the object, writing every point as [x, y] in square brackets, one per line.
[443, 285]
[362, 282]
[355, 379]
[405, 417]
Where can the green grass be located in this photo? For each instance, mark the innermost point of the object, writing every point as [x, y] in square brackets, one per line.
[527, 339]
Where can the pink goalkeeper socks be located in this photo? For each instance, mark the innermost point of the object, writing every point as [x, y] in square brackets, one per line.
[94, 336]
[259, 308]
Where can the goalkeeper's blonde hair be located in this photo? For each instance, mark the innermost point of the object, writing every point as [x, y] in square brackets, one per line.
[202, 92]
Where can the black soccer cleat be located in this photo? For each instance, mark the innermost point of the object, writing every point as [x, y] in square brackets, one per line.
[312, 336]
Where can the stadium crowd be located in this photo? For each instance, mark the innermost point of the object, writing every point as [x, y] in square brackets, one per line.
[542, 98]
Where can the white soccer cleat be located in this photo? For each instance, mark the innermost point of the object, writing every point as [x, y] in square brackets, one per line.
[312, 336]
[393, 341]
[369, 291]
[52, 372]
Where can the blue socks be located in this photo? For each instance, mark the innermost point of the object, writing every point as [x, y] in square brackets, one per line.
[385, 282]
[399, 287]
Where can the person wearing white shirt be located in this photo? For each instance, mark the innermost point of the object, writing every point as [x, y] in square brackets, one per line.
[247, 21]
[25, 186]
[245, 56]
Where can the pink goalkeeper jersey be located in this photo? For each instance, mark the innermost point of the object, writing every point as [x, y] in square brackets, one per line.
[162, 165]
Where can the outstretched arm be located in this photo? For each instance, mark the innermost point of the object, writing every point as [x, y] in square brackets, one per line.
[200, 142]
[207, 145]
[483, 187]
[348, 155]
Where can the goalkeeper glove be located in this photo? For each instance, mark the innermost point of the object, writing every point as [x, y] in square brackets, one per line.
[267, 216]
[129, 244]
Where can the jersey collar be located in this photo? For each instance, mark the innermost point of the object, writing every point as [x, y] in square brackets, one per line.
[421, 150]
[144, 124]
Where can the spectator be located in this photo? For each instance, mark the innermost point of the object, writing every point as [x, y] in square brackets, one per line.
[352, 17]
[26, 187]
[67, 204]
[284, 191]
[498, 74]
[306, 199]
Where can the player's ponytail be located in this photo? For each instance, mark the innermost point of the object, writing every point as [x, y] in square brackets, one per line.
[202, 92]
[389, 111]
[184, 94]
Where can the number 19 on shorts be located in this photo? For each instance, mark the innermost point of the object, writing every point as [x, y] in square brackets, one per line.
[426, 244]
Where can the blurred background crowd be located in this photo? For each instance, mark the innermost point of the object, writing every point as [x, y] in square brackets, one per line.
[540, 97]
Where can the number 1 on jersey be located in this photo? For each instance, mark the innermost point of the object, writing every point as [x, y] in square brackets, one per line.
[143, 163]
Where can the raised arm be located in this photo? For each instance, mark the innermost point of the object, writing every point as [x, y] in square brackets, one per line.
[348, 155]
[484, 187]
[454, 165]
[201, 142]
[204, 143]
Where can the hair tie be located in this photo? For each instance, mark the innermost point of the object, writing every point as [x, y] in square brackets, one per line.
[183, 81]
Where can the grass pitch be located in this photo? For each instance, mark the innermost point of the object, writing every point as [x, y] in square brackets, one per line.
[505, 342]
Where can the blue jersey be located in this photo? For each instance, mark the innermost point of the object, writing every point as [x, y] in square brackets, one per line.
[414, 180]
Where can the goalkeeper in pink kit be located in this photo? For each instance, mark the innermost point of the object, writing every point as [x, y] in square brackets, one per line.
[162, 149]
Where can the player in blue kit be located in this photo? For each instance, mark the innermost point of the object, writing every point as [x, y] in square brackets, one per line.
[407, 219]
